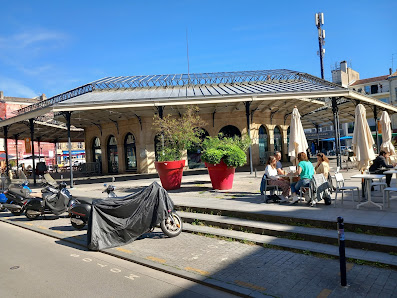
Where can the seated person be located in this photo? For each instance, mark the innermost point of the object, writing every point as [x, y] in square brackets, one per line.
[305, 171]
[379, 163]
[322, 166]
[279, 166]
[274, 179]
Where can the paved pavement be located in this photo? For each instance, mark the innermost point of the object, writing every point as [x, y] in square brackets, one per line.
[252, 270]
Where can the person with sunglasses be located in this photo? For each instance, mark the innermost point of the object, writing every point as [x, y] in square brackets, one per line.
[322, 166]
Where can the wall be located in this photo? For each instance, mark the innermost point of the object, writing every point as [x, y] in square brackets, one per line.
[144, 137]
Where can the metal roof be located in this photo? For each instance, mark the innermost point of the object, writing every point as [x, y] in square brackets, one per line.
[199, 91]
[189, 85]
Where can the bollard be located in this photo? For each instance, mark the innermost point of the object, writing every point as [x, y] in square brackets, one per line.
[255, 172]
[342, 256]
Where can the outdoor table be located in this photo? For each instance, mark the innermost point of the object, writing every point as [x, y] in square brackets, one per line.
[391, 171]
[368, 178]
[291, 176]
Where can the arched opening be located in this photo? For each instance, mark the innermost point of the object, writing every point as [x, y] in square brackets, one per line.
[130, 153]
[96, 151]
[230, 131]
[278, 140]
[263, 145]
[113, 157]
[194, 153]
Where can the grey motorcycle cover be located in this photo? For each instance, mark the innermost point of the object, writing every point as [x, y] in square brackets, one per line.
[118, 221]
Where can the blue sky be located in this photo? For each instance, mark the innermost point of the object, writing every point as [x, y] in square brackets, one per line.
[54, 46]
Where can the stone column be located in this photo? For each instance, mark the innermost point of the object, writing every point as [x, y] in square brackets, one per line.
[271, 137]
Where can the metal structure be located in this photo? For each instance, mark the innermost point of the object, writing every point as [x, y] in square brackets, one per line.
[249, 81]
[321, 39]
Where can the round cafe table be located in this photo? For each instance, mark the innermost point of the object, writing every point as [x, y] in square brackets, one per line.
[367, 178]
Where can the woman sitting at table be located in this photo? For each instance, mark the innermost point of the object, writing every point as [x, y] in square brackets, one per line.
[322, 166]
[305, 171]
[274, 179]
[379, 166]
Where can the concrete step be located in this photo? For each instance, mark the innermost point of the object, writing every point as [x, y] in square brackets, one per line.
[353, 240]
[304, 218]
[305, 246]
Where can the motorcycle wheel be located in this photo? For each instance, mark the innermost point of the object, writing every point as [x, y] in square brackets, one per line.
[172, 225]
[30, 215]
[16, 212]
[75, 225]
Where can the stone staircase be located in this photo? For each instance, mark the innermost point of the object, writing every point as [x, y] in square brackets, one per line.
[364, 243]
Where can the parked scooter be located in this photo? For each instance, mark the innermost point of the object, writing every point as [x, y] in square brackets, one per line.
[80, 214]
[17, 196]
[56, 199]
[81, 209]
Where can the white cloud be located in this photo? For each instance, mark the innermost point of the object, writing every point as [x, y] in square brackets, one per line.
[15, 88]
[33, 38]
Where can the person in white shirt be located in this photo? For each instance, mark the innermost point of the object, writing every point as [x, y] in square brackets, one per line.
[274, 179]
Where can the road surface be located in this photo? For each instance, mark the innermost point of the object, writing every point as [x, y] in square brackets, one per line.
[34, 265]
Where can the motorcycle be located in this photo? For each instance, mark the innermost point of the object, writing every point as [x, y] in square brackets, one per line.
[171, 225]
[81, 209]
[16, 197]
[56, 199]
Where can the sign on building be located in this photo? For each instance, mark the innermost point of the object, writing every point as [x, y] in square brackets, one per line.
[28, 145]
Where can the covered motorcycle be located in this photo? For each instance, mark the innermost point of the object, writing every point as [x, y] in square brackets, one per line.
[120, 221]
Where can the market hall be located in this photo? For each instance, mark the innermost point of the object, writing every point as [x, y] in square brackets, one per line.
[114, 115]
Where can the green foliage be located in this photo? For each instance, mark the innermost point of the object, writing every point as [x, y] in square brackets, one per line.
[177, 134]
[231, 150]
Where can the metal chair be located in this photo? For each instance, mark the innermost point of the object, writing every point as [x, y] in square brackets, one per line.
[341, 188]
[386, 196]
[266, 187]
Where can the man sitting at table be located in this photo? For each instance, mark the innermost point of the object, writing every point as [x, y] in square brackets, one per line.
[279, 166]
[379, 166]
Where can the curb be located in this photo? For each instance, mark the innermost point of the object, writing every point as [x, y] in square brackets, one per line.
[206, 281]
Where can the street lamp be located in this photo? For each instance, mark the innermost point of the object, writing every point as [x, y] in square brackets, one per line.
[321, 40]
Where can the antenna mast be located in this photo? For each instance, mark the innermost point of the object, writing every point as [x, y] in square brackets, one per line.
[321, 40]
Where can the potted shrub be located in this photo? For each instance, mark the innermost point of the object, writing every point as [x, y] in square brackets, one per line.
[222, 156]
[175, 135]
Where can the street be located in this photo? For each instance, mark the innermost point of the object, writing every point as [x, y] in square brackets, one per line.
[34, 265]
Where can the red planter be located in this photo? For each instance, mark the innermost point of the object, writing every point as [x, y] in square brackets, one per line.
[221, 175]
[170, 173]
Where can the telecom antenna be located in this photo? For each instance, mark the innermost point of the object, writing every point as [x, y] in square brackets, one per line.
[321, 40]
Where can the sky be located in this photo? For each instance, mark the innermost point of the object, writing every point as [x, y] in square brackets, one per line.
[51, 47]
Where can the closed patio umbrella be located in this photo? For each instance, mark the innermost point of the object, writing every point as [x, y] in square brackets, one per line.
[363, 141]
[297, 138]
[386, 134]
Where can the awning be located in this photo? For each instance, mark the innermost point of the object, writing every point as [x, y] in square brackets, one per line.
[333, 139]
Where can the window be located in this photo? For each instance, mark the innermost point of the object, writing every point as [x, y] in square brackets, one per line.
[374, 89]
[367, 89]
[263, 145]
[113, 156]
[385, 99]
[80, 145]
[130, 152]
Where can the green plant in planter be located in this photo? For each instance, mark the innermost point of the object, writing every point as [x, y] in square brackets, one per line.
[231, 150]
[177, 134]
